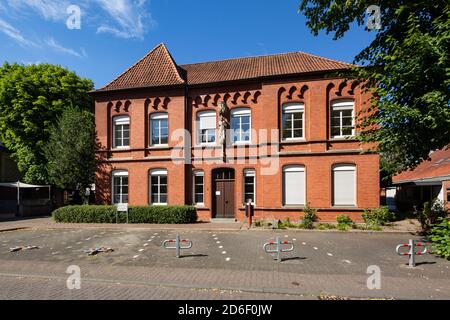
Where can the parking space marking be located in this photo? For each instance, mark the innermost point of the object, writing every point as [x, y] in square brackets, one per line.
[304, 243]
[347, 261]
[224, 252]
[140, 250]
[227, 259]
[315, 248]
[329, 254]
[136, 256]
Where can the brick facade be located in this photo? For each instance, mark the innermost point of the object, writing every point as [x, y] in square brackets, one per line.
[317, 152]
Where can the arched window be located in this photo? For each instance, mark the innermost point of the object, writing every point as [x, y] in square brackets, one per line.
[158, 187]
[342, 118]
[120, 186]
[344, 185]
[293, 121]
[121, 132]
[206, 127]
[241, 125]
[294, 185]
[159, 129]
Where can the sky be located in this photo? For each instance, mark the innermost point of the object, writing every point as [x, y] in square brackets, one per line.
[114, 34]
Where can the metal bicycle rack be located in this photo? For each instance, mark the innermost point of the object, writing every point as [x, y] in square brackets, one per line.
[280, 247]
[177, 244]
[412, 245]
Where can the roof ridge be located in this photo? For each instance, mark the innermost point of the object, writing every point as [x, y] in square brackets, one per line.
[143, 58]
[264, 55]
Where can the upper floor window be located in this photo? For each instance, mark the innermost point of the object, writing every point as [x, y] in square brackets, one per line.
[198, 187]
[158, 187]
[241, 125]
[293, 121]
[159, 128]
[120, 186]
[121, 132]
[294, 185]
[344, 185]
[206, 127]
[249, 186]
[342, 119]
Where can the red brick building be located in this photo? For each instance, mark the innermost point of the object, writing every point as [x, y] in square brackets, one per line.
[278, 130]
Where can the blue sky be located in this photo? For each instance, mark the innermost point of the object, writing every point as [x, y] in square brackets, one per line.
[115, 34]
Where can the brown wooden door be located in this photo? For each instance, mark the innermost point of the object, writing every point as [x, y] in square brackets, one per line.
[224, 199]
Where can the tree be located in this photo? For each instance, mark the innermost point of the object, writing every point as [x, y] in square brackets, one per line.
[70, 151]
[31, 100]
[407, 67]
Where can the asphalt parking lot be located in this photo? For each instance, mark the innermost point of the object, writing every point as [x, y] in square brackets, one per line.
[331, 262]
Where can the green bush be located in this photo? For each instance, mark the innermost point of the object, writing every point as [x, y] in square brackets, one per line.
[325, 226]
[440, 235]
[309, 217]
[136, 214]
[344, 222]
[431, 214]
[377, 217]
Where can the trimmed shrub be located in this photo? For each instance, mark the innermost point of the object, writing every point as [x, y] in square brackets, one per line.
[136, 214]
[344, 222]
[430, 214]
[440, 235]
[377, 217]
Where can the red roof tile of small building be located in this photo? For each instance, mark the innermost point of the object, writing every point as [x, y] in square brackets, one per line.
[158, 68]
[437, 166]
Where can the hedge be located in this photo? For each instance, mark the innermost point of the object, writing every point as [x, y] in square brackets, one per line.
[136, 214]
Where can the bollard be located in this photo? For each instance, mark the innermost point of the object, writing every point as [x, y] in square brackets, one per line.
[178, 245]
[249, 212]
[411, 252]
[279, 249]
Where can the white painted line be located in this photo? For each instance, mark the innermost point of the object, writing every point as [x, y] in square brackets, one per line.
[79, 242]
[227, 259]
[214, 235]
[220, 247]
[304, 243]
[53, 253]
[286, 236]
[315, 248]
[216, 238]
[140, 250]
[134, 257]
[153, 237]
[69, 247]
[224, 252]
[88, 239]
[145, 244]
[156, 233]
[347, 261]
[330, 254]
[218, 242]
[294, 239]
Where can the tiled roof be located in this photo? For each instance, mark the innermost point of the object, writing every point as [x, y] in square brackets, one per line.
[258, 67]
[438, 166]
[158, 68]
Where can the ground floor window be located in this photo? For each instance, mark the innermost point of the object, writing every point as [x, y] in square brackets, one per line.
[198, 187]
[249, 186]
[344, 185]
[120, 187]
[294, 192]
[158, 187]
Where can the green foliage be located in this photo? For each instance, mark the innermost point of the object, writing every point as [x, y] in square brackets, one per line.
[377, 217]
[440, 235]
[430, 214]
[325, 226]
[70, 151]
[344, 222]
[31, 100]
[286, 224]
[136, 214]
[406, 67]
[309, 217]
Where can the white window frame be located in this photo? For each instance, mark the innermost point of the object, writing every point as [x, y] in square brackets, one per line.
[121, 121]
[342, 105]
[249, 173]
[349, 168]
[115, 174]
[198, 174]
[240, 113]
[205, 114]
[294, 168]
[159, 116]
[158, 173]
[293, 108]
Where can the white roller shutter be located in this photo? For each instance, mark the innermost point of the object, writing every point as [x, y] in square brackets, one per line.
[294, 186]
[344, 180]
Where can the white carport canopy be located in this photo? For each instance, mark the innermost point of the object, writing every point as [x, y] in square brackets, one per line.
[20, 185]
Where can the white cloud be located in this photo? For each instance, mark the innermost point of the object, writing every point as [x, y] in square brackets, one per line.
[15, 34]
[54, 10]
[129, 16]
[59, 48]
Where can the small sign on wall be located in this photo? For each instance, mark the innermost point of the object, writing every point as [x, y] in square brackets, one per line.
[217, 193]
[122, 207]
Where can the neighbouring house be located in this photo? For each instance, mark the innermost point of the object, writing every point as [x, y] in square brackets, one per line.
[430, 180]
[8, 168]
[277, 130]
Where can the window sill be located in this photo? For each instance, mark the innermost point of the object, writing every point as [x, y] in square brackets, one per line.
[159, 147]
[120, 149]
[343, 138]
[344, 207]
[293, 141]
